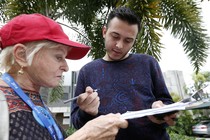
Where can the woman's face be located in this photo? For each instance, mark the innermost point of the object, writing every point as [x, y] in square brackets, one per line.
[48, 66]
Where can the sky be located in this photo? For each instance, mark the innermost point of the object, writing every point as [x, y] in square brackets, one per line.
[172, 56]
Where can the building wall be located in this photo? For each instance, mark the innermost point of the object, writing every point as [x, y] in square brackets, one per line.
[175, 83]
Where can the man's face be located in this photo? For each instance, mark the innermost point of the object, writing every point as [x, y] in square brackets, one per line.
[119, 38]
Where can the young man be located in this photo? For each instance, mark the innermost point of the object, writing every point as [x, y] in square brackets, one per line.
[126, 82]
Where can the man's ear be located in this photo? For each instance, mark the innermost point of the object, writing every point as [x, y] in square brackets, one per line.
[19, 52]
[104, 29]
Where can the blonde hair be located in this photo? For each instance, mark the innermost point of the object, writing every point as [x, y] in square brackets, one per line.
[7, 58]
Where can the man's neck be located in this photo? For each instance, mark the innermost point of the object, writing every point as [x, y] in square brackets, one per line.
[107, 58]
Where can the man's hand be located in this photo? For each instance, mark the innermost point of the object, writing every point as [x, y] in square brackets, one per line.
[89, 101]
[169, 118]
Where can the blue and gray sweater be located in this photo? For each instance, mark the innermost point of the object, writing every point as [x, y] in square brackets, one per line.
[128, 85]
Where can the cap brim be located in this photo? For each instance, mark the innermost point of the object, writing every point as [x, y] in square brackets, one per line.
[78, 50]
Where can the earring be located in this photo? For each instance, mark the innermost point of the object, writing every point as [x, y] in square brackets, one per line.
[21, 71]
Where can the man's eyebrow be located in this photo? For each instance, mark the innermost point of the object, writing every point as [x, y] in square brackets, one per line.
[115, 33]
[127, 38]
[130, 38]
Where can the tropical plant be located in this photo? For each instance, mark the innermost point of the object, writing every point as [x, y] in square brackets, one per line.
[186, 119]
[57, 93]
[182, 128]
[206, 74]
[181, 17]
[201, 80]
[70, 131]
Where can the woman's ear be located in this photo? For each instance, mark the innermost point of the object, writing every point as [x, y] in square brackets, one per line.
[19, 52]
[0, 43]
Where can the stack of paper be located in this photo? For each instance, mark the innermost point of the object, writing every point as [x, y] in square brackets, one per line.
[147, 112]
[194, 102]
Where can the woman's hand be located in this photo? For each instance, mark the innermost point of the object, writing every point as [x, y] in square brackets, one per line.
[104, 127]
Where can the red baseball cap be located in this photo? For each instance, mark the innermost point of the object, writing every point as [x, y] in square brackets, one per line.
[33, 27]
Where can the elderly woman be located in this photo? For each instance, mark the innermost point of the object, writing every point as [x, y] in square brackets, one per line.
[34, 49]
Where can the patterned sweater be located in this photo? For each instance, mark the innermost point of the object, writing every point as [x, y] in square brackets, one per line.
[22, 124]
[127, 85]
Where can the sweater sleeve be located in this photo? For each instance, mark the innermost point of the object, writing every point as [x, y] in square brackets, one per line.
[78, 117]
[160, 90]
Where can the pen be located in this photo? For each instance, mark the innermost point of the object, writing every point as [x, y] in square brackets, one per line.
[74, 98]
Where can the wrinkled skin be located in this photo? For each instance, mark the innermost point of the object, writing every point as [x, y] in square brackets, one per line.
[104, 127]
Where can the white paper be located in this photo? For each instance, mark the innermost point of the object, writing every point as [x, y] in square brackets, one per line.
[147, 112]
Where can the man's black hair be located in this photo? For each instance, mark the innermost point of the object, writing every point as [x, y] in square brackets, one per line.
[124, 14]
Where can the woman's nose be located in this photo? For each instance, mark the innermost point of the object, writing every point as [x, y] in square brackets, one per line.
[65, 66]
